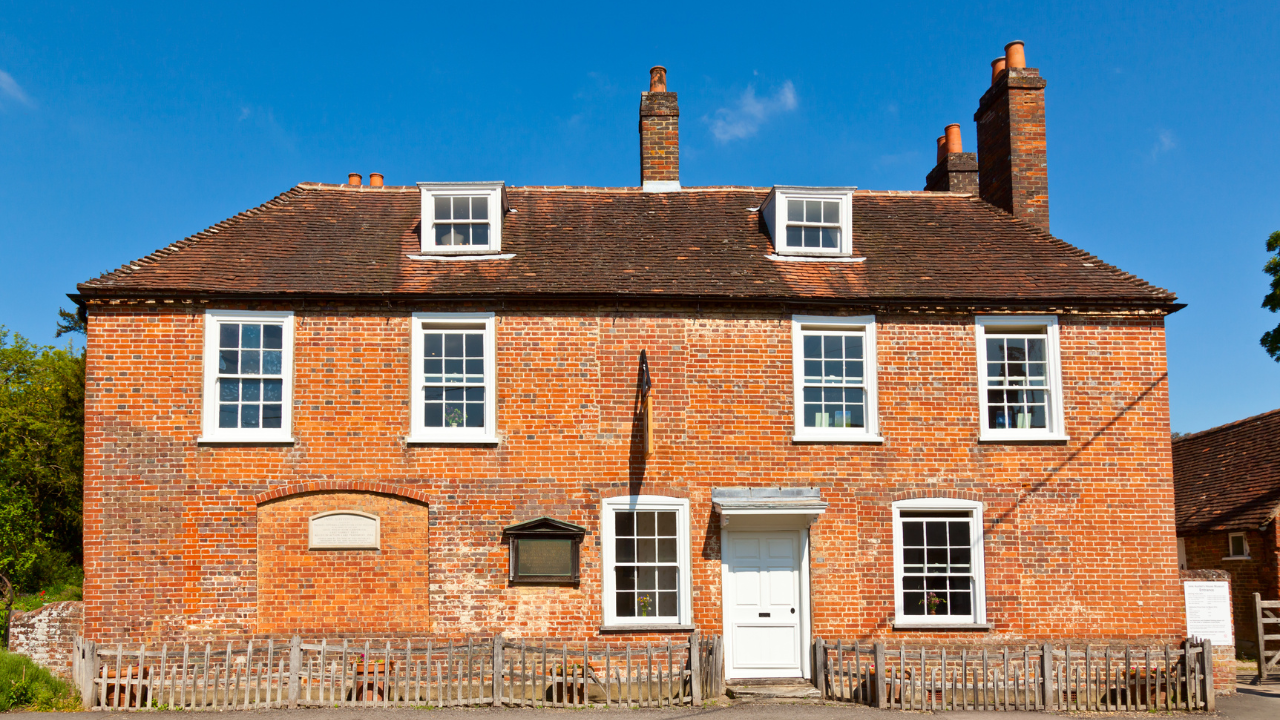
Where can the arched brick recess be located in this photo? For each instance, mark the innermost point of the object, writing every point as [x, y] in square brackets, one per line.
[341, 486]
[319, 592]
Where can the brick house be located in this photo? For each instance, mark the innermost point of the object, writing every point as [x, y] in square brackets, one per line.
[1227, 491]
[371, 410]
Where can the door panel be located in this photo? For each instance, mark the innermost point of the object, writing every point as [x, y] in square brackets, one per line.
[764, 610]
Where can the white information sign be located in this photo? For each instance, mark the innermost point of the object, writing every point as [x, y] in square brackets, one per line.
[1209, 612]
[345, 530]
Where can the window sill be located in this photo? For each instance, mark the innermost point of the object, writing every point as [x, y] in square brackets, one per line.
[266, 441]
[443, 440]
[650, 627]
[1238, 557]
[814, 258]
[968, 627]
[460, 257]
[814, 438]
[987, 437]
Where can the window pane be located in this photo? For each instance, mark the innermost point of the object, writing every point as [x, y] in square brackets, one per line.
[813, 370]
[795, 211]
[935, 533]
[667, 524]
[272, 362]
[475, 394]
[625, 550]
[812, 237]
[813, 347]
[272, 337]
[832, 346]
[250, 361]
[273, 390]
[625, 523]
[995, 349]
[626, 604]
[1035, 349]
[667, 604]
[434, 415]
[271, 416]
[813, 211]
[453, 345]
[995, 418]
[625, 578]
[461, 208]
[646, 550]
[853, 346]
[248, 416]
[795, 236]
[434, 345]
[475, 345]
[228, 390]
[444, 234]
[1017, 349]
[811, 414]
[667, 577]
[442, 208]
[480, 234]
[229, 335]
[830, 211]
[913, 534]
[830, 238]
[475, 415]
[480, 208]
[227, 416]
[228, 362]
[251, 390]
[646, 578]
[667, 550]
[913, 603]
[645, 524]
[251, 336]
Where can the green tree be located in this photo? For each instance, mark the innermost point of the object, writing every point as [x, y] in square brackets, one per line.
[1271, 338]
[41, 460]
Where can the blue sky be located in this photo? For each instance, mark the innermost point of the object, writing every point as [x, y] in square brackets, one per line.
[123, 129]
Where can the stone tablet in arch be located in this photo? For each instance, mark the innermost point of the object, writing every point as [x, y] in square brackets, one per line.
[344, 530]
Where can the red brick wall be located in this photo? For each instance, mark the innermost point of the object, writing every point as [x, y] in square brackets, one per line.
[1079, 536]
[659, 137]
[1013, 166]
[1255, 575]
[312, 592]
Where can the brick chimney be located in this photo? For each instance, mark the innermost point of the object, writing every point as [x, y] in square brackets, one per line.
[1013, 170]
[659, 135]
[957, 170]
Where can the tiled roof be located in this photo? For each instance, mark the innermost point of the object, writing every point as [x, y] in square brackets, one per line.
[1228, 477]
[696, 243]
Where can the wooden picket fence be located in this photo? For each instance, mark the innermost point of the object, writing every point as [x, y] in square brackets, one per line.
[251, 675]
[1089, 678]
[1265, 614]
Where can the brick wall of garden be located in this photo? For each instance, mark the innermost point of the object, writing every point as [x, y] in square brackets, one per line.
[1079, 536]
[47, 634]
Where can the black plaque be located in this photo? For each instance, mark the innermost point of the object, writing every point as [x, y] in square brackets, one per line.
[544, 551]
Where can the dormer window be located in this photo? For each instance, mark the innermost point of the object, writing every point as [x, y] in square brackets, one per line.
[808, 220]
[462, 218]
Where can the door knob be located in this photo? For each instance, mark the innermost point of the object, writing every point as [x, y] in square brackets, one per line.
[793, 611]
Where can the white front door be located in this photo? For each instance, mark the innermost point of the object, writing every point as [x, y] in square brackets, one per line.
[762, 604]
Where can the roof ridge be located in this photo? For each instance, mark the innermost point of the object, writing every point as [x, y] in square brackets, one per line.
[1226, 426]
[1079, 252]
[357, 188]
[191, 240]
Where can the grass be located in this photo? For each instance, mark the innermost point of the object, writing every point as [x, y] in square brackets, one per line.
[69, 589]
[25, 685]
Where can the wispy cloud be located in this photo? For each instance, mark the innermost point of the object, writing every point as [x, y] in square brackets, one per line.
[1165, 141]
[744, 119]
[10, 89]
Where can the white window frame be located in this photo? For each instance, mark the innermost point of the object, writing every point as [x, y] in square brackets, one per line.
[494, 191]
[684, 555]
[864, 324]
[1054, 416]
[211, 433]
[1244, 541]
[977, 556]
[774, 209]
[419, 434]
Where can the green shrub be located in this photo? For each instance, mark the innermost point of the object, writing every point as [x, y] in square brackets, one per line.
[66, 583]
[23, 684]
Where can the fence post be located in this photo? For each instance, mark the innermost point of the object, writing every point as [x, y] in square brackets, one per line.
[1262, 642]
[497, 671]
[295, 667]
[695, 668]
[879, 673]
[819, 672]
[1209, 684]
[1046, 676]
[88, 671]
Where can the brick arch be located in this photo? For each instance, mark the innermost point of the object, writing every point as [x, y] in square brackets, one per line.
[342, 486]
[919, 493]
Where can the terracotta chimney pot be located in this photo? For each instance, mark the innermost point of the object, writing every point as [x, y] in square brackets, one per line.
[657, 79]
[942, 148]
[953, 138]
[997, 67]
[375, 179]
[1016, 55]
[354, 179]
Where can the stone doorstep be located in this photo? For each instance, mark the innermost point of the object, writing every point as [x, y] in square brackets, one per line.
[772, 689]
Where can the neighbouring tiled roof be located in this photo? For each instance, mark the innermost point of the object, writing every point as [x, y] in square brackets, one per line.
[700, 242]
[1228, 477]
